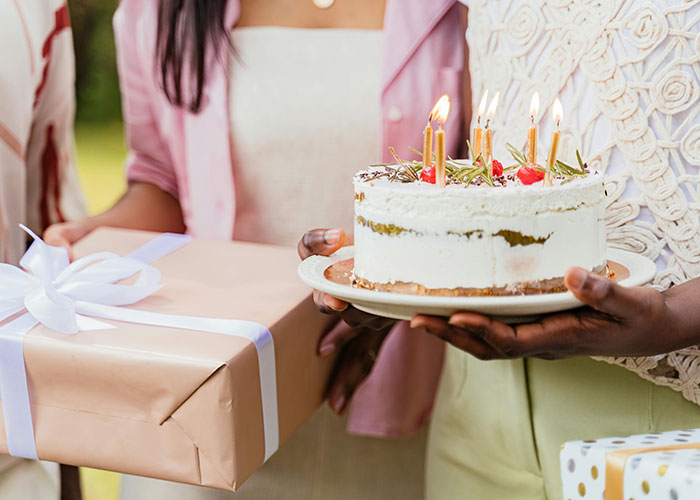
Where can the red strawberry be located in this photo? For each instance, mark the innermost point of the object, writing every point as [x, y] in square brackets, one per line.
[529, 175]
[428, 174]
[497, 168]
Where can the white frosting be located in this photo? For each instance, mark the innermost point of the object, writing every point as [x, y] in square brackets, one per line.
[448, 237]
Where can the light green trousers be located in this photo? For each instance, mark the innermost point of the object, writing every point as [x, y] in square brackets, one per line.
[498, 426]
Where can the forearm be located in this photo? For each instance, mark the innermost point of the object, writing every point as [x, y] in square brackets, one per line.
[683, 304]
[145, 207]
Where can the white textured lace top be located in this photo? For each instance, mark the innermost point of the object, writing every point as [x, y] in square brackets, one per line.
[304, 109]
[628, 75]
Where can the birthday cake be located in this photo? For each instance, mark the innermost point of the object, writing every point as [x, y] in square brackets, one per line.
[483, 233]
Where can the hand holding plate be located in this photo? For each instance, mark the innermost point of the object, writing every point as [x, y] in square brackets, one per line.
[326, 242]
[355, 362]
[617, 321]
[360, 335]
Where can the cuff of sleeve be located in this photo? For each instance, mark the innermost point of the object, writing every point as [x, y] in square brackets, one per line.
[140, 169]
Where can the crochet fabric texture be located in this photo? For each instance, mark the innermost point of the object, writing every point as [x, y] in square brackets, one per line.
[628, 75]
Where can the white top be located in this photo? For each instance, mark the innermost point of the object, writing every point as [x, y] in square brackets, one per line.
[304, 108]
[628, 75]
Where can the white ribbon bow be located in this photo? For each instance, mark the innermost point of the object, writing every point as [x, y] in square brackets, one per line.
[66, 296]
[57, 290]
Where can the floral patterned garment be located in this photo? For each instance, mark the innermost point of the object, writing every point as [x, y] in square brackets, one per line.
[628, 75]
[38, 181]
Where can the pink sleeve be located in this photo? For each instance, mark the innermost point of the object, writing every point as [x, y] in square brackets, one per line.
[149, 159]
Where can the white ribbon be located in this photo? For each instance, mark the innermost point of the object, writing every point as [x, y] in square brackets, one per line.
[66, 297]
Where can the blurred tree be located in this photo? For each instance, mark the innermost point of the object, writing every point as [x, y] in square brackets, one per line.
[96, 84]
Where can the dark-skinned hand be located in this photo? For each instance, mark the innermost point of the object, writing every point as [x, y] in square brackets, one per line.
[617, 321]
[358, 337]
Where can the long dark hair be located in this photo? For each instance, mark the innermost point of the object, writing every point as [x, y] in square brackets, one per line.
[190, 32]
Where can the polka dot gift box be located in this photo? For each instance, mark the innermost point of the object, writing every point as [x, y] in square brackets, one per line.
[658, 466]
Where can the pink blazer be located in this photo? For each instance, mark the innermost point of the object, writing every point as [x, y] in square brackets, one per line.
[188, 155]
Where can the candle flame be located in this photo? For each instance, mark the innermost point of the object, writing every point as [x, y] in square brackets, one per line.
[441, 109]
[557, 112]
[535, 105]
[482, 106]
[492, 108]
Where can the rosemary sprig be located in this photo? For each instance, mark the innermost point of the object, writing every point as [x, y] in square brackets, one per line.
[476, 172]
[420, 153]
[471, 151]
[559, 169]
[407, 168]
[568, 170]
[464, 172]
[467, 171]
[580, 162]
[516, 154]
[487, 176]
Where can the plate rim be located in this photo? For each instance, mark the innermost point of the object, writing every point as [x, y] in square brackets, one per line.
[644, 272]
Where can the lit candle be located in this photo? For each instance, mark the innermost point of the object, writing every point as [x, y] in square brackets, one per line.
[440, 112]
[477, 137]
[557, 113]
[427, 145]
[488, 135]
[532, 132]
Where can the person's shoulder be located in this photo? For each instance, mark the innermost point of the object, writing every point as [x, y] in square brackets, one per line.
[133, 13]
[135, 23]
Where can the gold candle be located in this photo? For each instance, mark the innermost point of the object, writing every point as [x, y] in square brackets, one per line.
[440, 174]
[488, 149]
[477, 136]
[427, 145]
[532, 132]
[488, 135]
[557, 114]
[478, 140]
[440, 112]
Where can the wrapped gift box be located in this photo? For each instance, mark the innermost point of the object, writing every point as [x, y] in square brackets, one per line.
[647, 466]
[177, 404]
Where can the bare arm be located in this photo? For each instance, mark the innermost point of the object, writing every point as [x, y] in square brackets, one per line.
[144, 206]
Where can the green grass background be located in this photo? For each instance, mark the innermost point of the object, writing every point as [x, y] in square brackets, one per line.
[100, 156]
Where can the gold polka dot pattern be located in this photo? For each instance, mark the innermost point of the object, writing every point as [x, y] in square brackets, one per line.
[664, 474]
[645, 487]
[582, 489]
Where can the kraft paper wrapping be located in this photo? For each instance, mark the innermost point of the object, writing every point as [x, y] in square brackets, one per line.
[175, 404]
[657, 465]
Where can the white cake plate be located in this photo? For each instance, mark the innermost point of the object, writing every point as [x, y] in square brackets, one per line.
[510, 308]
